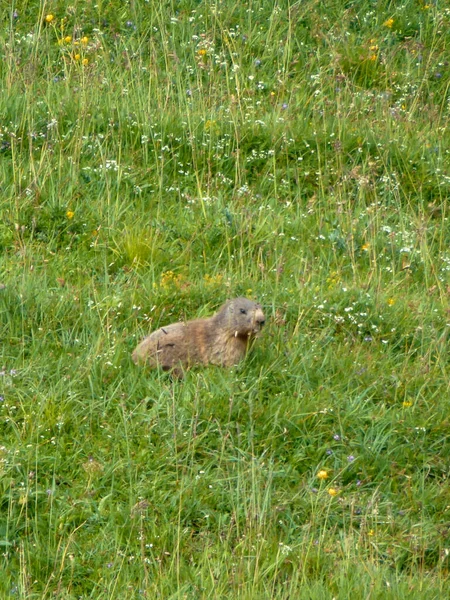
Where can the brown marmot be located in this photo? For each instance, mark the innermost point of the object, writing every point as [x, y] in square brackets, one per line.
[222, 339]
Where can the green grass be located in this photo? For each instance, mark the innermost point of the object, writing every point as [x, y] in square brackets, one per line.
[188, 152]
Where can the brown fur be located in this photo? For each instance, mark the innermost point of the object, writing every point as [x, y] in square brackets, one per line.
[223, 339]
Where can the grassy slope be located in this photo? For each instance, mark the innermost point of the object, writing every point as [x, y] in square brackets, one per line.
[292, 152]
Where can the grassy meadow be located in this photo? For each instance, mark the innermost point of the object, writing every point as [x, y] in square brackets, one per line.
[157, 158]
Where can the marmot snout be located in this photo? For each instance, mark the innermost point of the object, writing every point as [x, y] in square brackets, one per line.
[222, 339]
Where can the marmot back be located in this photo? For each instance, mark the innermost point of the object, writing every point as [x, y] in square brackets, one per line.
[222, 339]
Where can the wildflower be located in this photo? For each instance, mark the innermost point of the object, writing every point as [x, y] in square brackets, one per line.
[84, 40]
[68, 39]
[391, 301]
[213, 279]
[322, 474]
[92, 466]
[389, 23]
[70, 214]
[77, 56]
[49, 18]
[202, 52]
[365, 247]
[333, 491]
[350, 458]
[371, 532]
[85, 61]
[373, 57]
[406, 403]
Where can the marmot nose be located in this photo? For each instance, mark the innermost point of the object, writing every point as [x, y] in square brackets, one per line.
[260, 322]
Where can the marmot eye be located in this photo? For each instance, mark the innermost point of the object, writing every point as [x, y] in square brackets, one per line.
[243, 311]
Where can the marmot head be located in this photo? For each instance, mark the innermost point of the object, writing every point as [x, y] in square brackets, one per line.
[244, 316]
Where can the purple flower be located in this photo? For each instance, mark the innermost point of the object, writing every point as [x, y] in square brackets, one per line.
[336, 437]
[329, 452]
[350, 458]
[257, 62]
[284, 106]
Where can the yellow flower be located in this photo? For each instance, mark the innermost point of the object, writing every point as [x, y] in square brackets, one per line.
[70, 214]
[85, 61]
[68, 39]
[49, 18]
[213, 280]
[391, 301]
[84, 40]
[77, 56]
[202, 52]
[365, 247]
[389, 23]
[333, 491]
[322, 474]
[373, 57]
[407, 403]
[371, 532]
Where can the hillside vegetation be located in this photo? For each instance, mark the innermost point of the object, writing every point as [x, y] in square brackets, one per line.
[157, 158]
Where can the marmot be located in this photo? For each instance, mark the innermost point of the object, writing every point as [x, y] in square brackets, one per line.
[222, 339]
